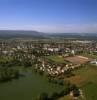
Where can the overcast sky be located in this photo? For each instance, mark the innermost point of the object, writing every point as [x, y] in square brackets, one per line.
[49, 15]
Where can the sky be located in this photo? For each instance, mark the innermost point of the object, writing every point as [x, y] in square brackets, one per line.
[49, 16]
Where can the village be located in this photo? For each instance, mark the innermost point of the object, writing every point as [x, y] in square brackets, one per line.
[57, 60]
[40, 54]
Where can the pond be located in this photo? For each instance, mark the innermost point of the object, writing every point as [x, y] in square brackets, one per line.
[27, 88]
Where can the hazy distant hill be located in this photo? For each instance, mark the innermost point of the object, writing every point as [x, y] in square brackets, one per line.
[81, 36]
[8, 34]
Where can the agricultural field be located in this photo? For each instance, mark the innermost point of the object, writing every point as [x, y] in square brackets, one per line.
[78, 59]
[86, 79]
[89, 55]
[56, 58]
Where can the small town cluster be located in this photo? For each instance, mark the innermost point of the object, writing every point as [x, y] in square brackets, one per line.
[56, 59]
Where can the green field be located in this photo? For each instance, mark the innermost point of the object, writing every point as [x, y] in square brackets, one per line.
[88, 75]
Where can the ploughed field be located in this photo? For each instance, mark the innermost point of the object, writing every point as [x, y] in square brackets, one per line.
[28, 87]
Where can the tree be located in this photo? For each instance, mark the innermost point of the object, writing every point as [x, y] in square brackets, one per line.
[61, 82]
[62, 93]
[54, 96]
[43, 96]
[76, 92]
[66, 90]
[41, 72]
